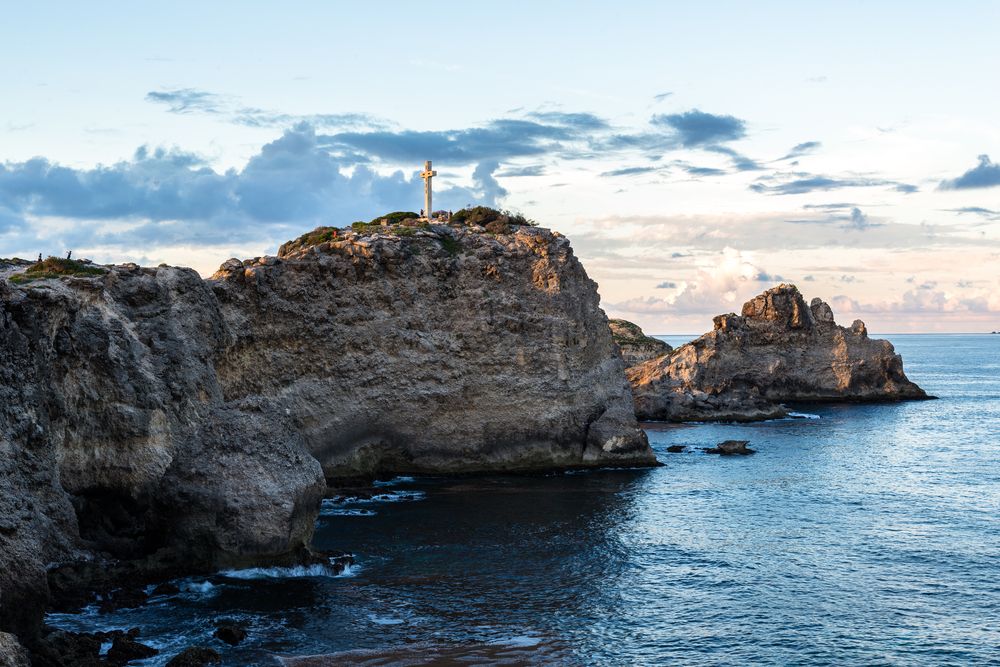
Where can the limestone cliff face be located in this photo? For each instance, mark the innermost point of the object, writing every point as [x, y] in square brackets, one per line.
[444, 349]
[634, 345]
[150, 416]
[116, 441]
[778, 350]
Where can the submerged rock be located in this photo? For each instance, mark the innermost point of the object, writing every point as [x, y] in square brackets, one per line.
[231, 633]
[778, 350]
[124, 649]
[635, 346]
[676, 449]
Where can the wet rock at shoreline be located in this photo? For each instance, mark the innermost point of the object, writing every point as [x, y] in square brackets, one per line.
[231, 633]
[731, 447]
[196, 656]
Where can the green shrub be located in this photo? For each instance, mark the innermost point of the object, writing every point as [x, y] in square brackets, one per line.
[56, 267]
[394, 218]
[484, 216]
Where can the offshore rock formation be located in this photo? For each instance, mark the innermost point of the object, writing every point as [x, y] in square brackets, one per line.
[635, 346]
[153, 418]
[779, 350]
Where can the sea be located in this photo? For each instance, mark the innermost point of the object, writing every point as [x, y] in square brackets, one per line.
[855, 535]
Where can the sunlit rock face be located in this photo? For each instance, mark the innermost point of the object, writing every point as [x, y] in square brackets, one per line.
[634, 345]
[778, 350]
[153, 418]
[439, 349]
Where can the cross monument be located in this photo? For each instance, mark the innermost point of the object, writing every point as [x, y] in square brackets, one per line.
[427, 176]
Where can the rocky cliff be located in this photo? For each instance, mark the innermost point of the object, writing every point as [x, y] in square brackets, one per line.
[778, 350]
[429, 349]
[634, 345]
[150, 417]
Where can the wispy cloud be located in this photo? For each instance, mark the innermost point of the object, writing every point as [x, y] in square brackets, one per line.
[799, 150]
[805, 183]
[187, 100]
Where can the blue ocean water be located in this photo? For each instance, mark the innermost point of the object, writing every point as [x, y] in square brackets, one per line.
[867, 536]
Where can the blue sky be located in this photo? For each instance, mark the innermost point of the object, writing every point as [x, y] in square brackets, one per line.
[694, 153]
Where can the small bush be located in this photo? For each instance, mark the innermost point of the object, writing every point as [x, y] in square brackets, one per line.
[395, 217]
[484, 216]
[56, 267]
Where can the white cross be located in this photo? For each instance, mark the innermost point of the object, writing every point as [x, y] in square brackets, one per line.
[427, 176]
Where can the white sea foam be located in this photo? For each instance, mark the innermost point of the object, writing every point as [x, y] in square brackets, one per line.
[389, 497]
[202, 587]
[294, 572]
[393, 481]
[384, 620]
[345, 511]
[802, 415]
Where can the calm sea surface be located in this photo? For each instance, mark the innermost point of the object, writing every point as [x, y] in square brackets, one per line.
[868, 535]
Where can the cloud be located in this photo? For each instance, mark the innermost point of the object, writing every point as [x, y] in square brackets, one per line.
[192, 100]
[801, 149]
[859, 221]
[806, 183]
[704, 171]
[720, 285]
[580, 121]
[497, 140]
[667, 284]
[976, 210]
[187, 100]
[662, 96]
[630, 171]
[165, 196]
[527, 170]
[986, 174]
[697, 128]
[921, 301]
[740, 162]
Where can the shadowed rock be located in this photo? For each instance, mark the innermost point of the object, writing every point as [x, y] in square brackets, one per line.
[196, 656]
[778, 350]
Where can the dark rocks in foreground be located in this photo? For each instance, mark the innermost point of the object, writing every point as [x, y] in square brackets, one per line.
[196, 656]
[778, 350]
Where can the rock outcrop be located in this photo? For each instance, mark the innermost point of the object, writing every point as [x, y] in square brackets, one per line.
[634, 345]
[778, 350]
[153, 418]
[434, 349]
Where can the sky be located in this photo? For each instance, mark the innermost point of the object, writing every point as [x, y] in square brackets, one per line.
[695, 154]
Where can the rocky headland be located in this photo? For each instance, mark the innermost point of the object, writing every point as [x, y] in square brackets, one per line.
[152, 422]
[634, 345]
[778, 350]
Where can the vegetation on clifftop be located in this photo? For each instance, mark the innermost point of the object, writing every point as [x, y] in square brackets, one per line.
[56, 267]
